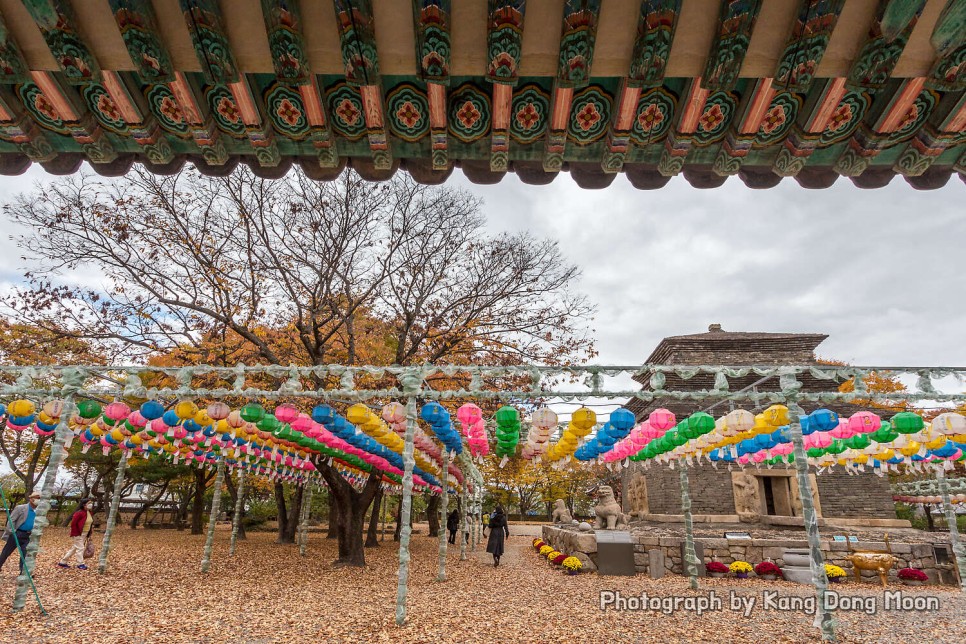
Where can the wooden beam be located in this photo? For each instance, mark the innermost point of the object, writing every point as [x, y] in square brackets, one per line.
[13, 67]
[283, 24]
[139, 30]
[948, 73]
[652, 47]
[504, 38]
[807, 44]
[735, 24]
[56, 21]
[432, 21]
[580, 20]
[203, 18]
[357, 38]
[893, 24]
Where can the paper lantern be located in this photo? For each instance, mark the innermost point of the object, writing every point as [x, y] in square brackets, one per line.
[583, 419]
[949, 423]
[152, 409]
[660, 419]
[218, 410]
[21, 408]
[776, 415]
[907, 422]
[394, 413]
[54, 408]
[544, 418]
[116, 411]
[88, 409]
[235, 420]
[286, 413]
[739, 420]
[186, 409]
[864, 422]
[358, 414]
[468, 414]
[252, 413]
[823, 420]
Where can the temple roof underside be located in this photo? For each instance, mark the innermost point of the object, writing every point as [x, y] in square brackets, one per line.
[810, 89]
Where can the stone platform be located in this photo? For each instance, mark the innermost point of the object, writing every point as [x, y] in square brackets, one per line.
[912, 548]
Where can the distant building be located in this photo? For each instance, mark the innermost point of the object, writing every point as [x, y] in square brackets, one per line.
[764, 496]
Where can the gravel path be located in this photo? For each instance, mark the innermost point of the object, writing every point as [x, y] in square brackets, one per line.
[267, 593]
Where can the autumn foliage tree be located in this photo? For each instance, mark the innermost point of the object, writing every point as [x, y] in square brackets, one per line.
[222, 270]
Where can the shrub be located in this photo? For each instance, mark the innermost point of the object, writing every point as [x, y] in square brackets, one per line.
[715, 566]
[767, 568]
[913, 575]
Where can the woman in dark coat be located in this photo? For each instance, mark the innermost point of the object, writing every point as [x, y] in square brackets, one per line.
[453, 524]
[499, 531]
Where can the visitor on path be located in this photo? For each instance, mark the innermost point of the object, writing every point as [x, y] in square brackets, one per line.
[453, 524]
[19, 526]
[81, 526]
[499, 530]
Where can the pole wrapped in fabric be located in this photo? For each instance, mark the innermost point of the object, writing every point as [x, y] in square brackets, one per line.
[58, 454]
[959, 553]
[406, 531]
[112, 514]
[304, 523]
[823, 615]
[444, 508]
[213, 516]
[464, 525]
[239, 508]
[690, 559]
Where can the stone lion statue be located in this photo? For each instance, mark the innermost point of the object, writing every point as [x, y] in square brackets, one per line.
[560, 512]
[608, 510]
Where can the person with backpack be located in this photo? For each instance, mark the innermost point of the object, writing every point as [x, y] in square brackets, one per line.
[81, 526]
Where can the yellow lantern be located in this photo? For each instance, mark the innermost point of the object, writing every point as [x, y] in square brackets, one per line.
[583, 420]
[186, 409]
[202, 417]
[776, 415]
[21, 407]
[358, 414]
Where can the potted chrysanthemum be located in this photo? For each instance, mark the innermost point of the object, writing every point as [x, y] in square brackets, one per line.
[572, 565]
[768, 570]
[716, 569]
[912, 577]
[834, 573]
[553, 554]
[741, 569]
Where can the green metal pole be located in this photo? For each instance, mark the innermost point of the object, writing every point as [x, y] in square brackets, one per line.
[213, 516]
[959, 553]
[112, 514]
[407, 502]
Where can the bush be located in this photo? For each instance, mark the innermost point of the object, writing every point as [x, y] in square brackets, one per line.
[258, 512]
[715, 566]
[767, 568]
[913, 574]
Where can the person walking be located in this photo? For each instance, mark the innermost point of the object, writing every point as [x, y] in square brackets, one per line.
[81, 526]
[20, 524]
[499, 531]
[453, 525]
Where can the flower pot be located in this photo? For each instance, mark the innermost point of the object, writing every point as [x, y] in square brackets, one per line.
[768, 577]
[836, 580]
[741, 575]
[911, 582]
[572, 572]
[717, 575]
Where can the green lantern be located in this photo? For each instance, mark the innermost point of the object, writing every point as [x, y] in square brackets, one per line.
[268, 423]
[507, 415]
[701, 423]
[88, 409]
[907, 422]
[252, 413]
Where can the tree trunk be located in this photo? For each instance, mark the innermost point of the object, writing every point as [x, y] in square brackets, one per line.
[282, 513]
[147, 505]
[294, 513]
[929, 524]
[198, 509]
[398, 530]
[372, 537]
[333, 519]
[352, 512]
[432, 514]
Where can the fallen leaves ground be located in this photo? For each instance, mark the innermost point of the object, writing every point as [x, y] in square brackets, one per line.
[154, 592]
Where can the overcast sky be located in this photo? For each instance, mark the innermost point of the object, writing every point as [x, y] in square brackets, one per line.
[880, 271]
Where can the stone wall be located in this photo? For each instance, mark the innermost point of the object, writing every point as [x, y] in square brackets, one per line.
[912, 555]
[862, 496]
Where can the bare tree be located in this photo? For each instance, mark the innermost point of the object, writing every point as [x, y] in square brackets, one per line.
[294, 271]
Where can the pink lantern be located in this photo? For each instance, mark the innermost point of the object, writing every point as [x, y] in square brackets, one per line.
[843, 431]
[136, 419]
[16, 428]
[468, 414]
[661, 419]
[235, 420]
[286, 413]
[117, 411]
[864, 422]
[54, 408]
[782, 449]
[394, 413]
[218, 410]
[303, 423]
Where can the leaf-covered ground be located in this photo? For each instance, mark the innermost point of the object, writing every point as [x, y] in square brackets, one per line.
[154, 592]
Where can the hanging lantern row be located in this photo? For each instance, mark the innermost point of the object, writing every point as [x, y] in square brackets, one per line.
[953, 498]
[745, 438]
[582, 421]
[474, 428]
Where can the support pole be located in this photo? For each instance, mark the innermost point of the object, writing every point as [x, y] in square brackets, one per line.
[690, 559]
[407, 502]
[239, 509]
[823, 615]
[443, 541]
[112, 514]
[465, 525]
[304, 523]
[57, 456]
[382, 517]
[959, 553]
[213, 515]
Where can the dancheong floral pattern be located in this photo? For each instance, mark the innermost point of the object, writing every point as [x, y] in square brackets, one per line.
[714, 120]
[407, 112]
[529, 113]
[345, 106]
[287, 112]
[589, 115]
[225, 111]
[469, 117]
[655, 111]
[778, 119]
